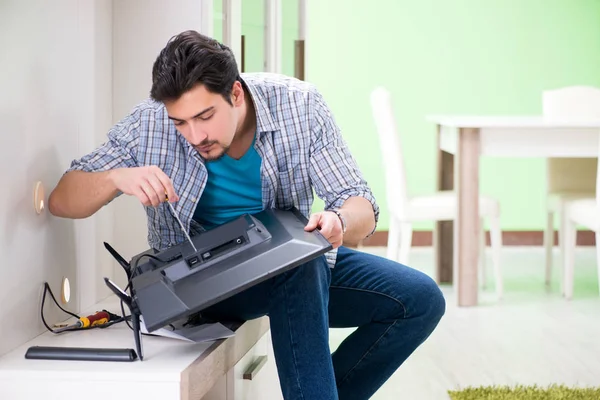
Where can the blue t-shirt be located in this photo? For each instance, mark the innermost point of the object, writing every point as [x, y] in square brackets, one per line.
[233, 188]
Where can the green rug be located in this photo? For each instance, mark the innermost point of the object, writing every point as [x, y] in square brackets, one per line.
[554, 392]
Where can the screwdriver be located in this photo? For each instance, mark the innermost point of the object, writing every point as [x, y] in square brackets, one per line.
[99, 318]
[187, 235]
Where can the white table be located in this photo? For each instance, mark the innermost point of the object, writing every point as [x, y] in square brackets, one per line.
[461, 141]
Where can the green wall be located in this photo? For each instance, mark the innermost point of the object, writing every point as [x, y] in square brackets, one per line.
[289, 33]
[253, 28]
[487, 57]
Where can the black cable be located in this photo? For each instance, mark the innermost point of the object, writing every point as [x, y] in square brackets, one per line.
[135, 263]
[113, 318]
[46, 290]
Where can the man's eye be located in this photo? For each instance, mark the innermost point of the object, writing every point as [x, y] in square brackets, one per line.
[177, 123]
[206, 118]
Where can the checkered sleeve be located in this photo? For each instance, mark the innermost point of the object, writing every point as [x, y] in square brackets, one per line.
[118, 151]
[333, 169]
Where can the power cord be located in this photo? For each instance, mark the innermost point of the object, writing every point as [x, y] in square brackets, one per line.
[113, 318]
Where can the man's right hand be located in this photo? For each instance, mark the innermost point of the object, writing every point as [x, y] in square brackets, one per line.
[149, 184]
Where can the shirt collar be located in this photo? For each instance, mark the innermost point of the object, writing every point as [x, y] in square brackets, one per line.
[264, 119]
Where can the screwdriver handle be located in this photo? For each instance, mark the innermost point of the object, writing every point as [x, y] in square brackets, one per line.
[99, 318]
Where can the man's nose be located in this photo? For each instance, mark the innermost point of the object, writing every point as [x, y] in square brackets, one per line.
[198, 135]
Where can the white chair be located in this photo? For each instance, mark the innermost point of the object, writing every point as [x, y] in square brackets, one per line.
[404, 210]
[567, 178]
[585, 213]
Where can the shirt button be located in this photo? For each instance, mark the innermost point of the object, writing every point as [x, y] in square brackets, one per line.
[193, 199]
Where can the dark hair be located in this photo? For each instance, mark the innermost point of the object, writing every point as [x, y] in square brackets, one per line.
[191, 58]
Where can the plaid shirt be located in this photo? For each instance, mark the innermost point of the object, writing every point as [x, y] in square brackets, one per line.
[297, 138]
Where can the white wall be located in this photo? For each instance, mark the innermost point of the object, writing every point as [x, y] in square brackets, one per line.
[54, 104]
[141, 28]
[69, 70]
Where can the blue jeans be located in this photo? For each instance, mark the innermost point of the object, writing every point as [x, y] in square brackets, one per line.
[394, 307]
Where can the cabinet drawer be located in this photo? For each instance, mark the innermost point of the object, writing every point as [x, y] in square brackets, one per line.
[255, 377]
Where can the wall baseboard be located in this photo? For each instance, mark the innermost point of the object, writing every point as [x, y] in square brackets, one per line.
[509, 238]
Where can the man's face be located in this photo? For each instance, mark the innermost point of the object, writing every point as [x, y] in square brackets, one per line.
[206, 120]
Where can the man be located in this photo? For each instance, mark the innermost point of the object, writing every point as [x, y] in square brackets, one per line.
[221, 144]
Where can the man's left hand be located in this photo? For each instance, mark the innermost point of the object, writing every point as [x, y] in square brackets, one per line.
[330, 226]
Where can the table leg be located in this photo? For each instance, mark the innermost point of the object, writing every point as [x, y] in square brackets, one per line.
[467, 229]
[443, 231]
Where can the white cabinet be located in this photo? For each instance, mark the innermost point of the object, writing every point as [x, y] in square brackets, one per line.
[171, 370]
[255, 377]
[218, 391]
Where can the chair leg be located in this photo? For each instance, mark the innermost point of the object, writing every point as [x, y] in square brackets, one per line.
[405, 242]
[598, 256]
[548, 245]
[496, 242]
[482, 247]
[393, 239]
[569, 242]
[563, 222]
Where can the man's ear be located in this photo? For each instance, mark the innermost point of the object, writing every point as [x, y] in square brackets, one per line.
[237, 93]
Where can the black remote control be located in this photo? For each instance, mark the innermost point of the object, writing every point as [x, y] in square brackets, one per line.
[79, 354]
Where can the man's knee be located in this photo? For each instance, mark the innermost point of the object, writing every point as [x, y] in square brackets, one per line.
[417, 294]
[433, 301]
[422, 294]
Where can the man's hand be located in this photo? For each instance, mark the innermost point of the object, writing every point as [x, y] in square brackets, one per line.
[330, 226]
[149, 184]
